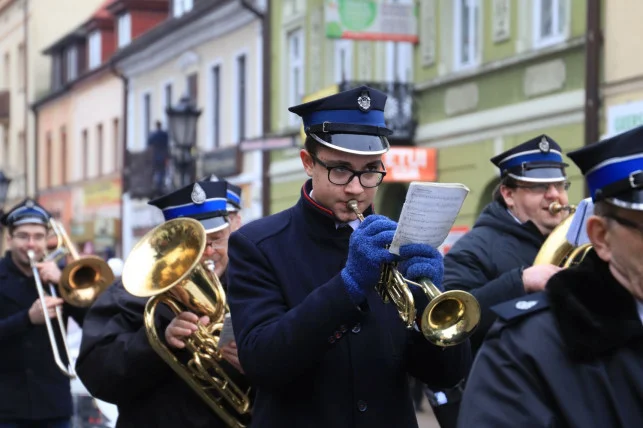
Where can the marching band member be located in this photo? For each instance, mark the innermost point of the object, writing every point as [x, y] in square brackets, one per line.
[33, 390]
[117, 363]
[494, 260]
[315, 339]
[572, 355]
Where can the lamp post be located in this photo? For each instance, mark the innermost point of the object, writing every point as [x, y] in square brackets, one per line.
[182, 119]
[4, 188]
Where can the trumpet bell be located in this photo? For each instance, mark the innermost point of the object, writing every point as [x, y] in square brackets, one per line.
[83, 280]
[450, 318]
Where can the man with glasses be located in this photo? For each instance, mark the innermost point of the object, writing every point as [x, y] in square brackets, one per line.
[314, 337]
[573, 356]
[33, 390]
[494, 260]
[117, 363]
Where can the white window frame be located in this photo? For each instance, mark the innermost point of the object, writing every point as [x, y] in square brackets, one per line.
[399, 62]
[94, 41]
[235, 98]
[295, 67]
[181, 7]
[559, 23]
[124, 29]
[343, 66]
[71, 59]
[475, 33]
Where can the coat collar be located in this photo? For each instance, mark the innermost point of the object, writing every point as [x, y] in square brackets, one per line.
[595, 314]
[14, 283]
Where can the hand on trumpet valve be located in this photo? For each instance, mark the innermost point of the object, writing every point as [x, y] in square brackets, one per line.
[182, 326]
[49, 272]
[366, 253]
[421, 261]
[36, 312]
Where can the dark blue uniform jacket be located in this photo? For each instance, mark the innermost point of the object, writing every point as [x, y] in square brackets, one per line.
[31, 384]
[315, 358]
[571, 356]
[487, 262]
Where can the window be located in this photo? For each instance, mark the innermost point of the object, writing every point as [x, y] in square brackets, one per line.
[63, 162]
[56, 72]
[550, 22]
[84, 154]
[72, 63]
[118, 149]
[95, 51]
[295, 75]
[124, 29]
[241, 98]
[216, 106]
[7, 71]
[399, 62]
[182, 6]
[147, 115]
[49, 153]
[467, 32]
[193, 88]
[168, 95]
[98, 159]
[21, 67]
[343, 60]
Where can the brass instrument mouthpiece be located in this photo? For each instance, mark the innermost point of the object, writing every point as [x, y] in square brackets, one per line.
[352, 205]
[556, 207]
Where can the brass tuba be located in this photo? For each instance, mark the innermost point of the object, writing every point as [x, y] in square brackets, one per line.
[166, 266]
[449, 318]
[557, 250]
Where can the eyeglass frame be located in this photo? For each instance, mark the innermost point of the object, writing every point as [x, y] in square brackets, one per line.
[566, 185]
[353, 175]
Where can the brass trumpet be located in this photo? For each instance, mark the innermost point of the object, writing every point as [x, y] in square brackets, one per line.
[556, 207]
[166, 266]
[449, 318]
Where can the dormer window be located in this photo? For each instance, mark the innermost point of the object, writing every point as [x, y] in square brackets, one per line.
[72, 63]
[182, 7]
[95, 51]
[124, 29]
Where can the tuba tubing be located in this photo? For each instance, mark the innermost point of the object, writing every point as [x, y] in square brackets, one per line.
[449, 318]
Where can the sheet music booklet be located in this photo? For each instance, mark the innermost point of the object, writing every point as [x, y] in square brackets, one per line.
[428, 213]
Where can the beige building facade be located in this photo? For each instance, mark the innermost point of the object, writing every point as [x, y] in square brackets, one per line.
[27, 27]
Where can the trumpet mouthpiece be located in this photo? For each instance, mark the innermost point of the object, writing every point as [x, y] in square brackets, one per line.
[556, 207]
[352, 205]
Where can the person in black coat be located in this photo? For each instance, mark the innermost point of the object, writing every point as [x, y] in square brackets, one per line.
[117, 363]
[572, 356]
[33, 390]
[317, 342]
[494, 260]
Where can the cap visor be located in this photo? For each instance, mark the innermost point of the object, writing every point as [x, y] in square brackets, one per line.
[632, 200]
[541, 175]
[214, 224]
[360, 144]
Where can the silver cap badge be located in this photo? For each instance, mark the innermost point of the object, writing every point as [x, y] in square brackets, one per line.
[364, 102]
[198, 194]
[544, 145]
[524, 305]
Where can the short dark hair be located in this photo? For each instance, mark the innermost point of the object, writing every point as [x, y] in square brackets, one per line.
[507, 181]
[311, 145]
[604, 209]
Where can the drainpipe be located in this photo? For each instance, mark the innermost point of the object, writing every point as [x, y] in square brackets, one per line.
[265, 154]
[593, 44]
[125, 158]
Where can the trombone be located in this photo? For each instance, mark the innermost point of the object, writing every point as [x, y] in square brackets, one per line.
[449, 318]
[166, 266]
[81, 282]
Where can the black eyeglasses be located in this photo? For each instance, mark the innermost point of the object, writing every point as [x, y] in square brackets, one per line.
[544, 187]
[626, 223]
[342, 175]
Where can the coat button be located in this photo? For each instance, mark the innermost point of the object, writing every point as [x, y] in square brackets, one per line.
[357, 328]
[362, 406]
[338, 335]
[331, 339]
[343, 328]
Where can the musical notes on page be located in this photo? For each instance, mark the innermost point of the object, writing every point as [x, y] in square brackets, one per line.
[428, 213]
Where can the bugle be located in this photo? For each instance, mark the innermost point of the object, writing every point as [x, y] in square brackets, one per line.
[449, 318]
[166, 266]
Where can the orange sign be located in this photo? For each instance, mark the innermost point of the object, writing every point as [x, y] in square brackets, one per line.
[405, 164]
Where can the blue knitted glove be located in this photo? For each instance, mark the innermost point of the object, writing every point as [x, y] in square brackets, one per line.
[366, 253]
[421, 261]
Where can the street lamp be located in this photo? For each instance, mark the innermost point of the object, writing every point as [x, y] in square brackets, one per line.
[4, 188]
[182, 119]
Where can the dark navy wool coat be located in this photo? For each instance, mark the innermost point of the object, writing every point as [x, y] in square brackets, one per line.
[316, 359]
[571, 356]
[31, 384]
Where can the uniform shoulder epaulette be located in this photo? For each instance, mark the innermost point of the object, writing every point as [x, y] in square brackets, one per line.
[521, 307]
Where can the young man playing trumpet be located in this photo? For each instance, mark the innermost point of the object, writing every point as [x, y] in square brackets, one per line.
[314, 338]
[117, 363]
[33, 390]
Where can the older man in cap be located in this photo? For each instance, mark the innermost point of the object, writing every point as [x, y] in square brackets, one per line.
[33, 390]
[494, 260]
[314, 337]
[233, 202]
[117, 364]
[572, 356]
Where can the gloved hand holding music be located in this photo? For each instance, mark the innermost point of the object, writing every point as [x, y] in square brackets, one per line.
[367, 251]
[421, 261]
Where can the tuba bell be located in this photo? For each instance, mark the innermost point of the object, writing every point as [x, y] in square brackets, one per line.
[557, 250]
[166, 266]
[449, 318]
